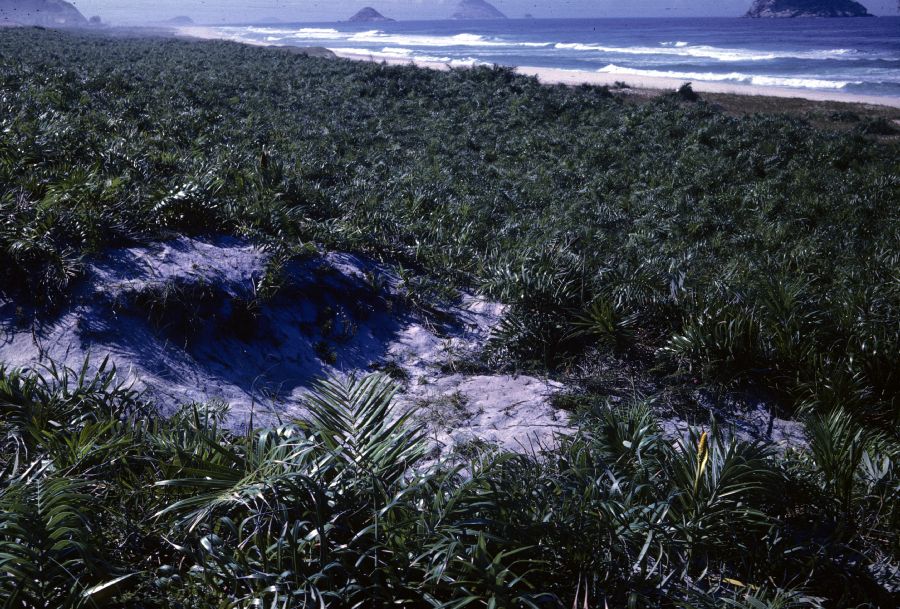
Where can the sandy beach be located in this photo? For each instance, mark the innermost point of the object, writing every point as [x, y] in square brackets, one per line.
[555, 76]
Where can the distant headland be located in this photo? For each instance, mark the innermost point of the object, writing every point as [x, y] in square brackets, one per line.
[807, 8]
[476, 9]
[45, 13]
[368, 15]
[180, 20]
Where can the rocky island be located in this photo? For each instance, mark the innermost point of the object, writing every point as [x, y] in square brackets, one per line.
[807, 8]
[180, 21]
[476, 9]
[368, 15]
[45, 13]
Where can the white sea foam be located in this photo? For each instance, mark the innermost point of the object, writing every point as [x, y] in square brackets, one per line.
[406, 54]
[380, 37]
[306, 32]
[801, 83]
[677, 48]
[708, 52]
[466, 49]
[458, 40]
[271, 35]
[738, 77]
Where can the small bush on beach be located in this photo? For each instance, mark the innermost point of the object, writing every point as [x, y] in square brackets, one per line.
[879, 126]
[686, 93]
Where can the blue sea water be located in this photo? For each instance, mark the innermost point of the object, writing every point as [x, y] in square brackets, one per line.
[850, 55]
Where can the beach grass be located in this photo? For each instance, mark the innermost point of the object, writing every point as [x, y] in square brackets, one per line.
[754, 249]
[104, 503]
[712, 240]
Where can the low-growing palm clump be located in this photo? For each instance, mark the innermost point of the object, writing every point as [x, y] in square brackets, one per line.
[105, 504]
[751, 252]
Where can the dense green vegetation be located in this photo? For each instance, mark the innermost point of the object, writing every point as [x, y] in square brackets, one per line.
[753, 252]
[104, 504]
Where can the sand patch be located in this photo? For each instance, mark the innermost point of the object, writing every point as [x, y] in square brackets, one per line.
[183, 320]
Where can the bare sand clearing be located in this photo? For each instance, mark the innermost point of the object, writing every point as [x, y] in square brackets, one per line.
[173, 317]
[554, 76]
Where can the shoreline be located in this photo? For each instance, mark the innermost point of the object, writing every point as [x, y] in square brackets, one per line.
[562, 76]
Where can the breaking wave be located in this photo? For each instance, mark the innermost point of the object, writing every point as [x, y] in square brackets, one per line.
[737, 77]
[393, 53]
[683, 49]
[670, 53]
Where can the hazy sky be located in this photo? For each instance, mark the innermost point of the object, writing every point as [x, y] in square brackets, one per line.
[217, 11]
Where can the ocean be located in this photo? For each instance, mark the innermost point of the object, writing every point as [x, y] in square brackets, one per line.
[860, 56]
